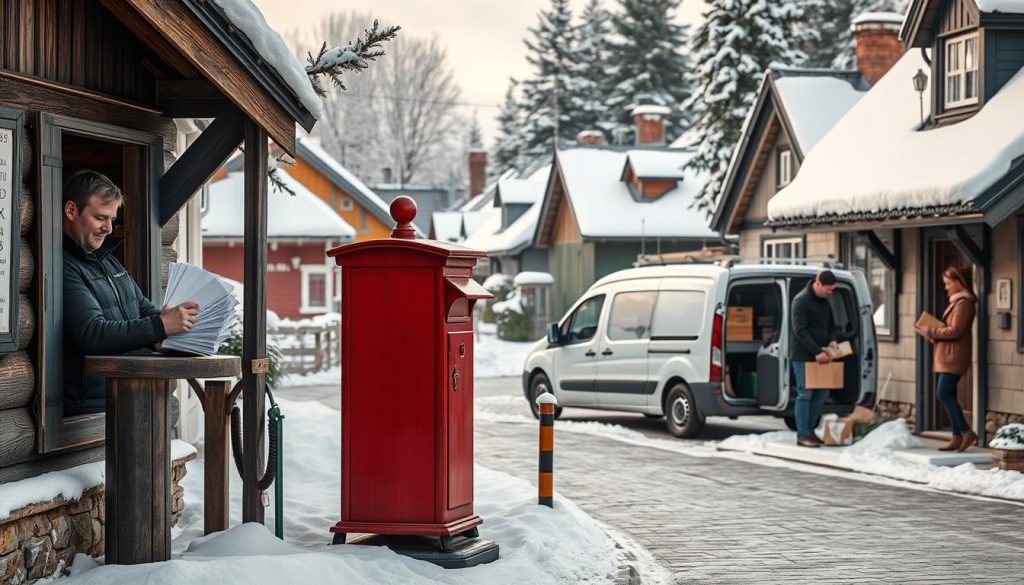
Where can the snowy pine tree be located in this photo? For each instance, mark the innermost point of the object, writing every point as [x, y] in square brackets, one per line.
[647, 62]
[733, 47]
[834, 47]
[508, 144]
[589, 76]
[548, 102]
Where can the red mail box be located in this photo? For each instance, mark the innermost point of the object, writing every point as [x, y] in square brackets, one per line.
[407, 384]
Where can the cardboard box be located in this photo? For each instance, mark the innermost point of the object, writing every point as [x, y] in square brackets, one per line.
[928, 320]
[862, 414]
[823, 376]
[838, 432]
[845, 349]
[739, 324]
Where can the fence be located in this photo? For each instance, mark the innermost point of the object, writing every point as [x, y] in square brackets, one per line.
[308, 348]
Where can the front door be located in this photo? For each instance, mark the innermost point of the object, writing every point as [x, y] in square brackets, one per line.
[622, 377]
[576, 361]
[944, 255]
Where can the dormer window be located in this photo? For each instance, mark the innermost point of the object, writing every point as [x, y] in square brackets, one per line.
[961, 83]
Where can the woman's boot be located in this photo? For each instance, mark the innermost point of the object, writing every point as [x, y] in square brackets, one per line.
[953, 444]
[967, 441]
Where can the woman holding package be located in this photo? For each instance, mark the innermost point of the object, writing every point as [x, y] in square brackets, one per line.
[952, 355]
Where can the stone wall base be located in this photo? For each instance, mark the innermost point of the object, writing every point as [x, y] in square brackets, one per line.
[43, 538]
[905, 410]
[994, 420]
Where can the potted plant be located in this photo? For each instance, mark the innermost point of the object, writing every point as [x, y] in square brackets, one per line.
[1008, 447]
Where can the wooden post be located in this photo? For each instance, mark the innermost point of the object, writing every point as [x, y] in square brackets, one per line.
[254, 327]
[217, 425]
[318, 357]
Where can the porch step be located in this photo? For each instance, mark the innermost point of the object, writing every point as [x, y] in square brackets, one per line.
[928, 454]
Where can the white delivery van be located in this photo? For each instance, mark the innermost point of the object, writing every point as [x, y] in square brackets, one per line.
[658, 340]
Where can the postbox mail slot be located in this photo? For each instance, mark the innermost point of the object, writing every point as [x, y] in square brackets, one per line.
[462, 295]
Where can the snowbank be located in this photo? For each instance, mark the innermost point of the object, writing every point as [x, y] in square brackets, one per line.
[539, 545]
[533, 278]
[1009, 437]
[69, 483]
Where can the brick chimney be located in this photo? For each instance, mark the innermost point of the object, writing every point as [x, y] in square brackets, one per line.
[590, 138]
[877, 35]
[650, 125]
[477, 171]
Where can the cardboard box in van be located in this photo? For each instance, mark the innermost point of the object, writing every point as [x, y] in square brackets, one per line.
[739, 324]
[823, 376]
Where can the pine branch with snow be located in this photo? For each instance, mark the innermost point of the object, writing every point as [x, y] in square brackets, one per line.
[355, 56]
[508, 144]
[735, 44]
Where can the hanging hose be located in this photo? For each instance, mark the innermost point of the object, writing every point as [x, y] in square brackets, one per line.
[275, 457]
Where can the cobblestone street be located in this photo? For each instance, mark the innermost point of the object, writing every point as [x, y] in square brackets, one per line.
[712, 520]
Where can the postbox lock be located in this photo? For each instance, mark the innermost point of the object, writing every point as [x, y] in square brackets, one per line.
[462, 349]
[455, 379]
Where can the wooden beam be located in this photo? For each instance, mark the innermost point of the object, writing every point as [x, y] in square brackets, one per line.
[189, 98]
[216, 64]
[200, 161]
[149, 36]
[890, 258]
[254, 324]
[967, 246]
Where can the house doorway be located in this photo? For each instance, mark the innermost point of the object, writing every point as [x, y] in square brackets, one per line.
[944, 254]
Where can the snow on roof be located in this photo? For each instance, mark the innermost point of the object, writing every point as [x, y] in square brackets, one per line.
[1010, 6]
[269, 44]
[604, 206]
[492, 239]
[311, 146]
[475, 220]
[875, 160]
[303, 215]
[814, 104]
[528, 278]
[447, 225]
[887, 17]
[518, 191]
[650, 110]
[654, 164]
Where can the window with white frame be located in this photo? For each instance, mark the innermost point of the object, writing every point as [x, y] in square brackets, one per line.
[785, 167]
[316, 288]
[783, 248]
[346, 204]
[961, 73]
[881, 281]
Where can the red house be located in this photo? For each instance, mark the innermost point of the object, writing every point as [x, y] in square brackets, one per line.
[300, 229]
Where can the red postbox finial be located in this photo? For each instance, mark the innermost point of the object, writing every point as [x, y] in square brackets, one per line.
[403, 211]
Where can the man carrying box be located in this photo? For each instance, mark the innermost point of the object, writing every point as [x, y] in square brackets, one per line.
[813, 331]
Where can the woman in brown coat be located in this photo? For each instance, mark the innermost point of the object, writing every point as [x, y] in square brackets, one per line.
[952, 355]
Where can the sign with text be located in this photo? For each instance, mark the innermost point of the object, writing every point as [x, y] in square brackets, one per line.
[10, 222]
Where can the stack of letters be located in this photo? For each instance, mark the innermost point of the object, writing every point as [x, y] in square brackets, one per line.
[186, 282]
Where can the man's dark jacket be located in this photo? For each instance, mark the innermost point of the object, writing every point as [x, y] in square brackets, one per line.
[105, 313]
[813, 325]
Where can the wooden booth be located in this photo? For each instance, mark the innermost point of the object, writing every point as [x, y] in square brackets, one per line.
[98, 84]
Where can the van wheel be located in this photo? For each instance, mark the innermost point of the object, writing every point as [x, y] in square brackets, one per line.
[681, 415]
[538, 386]
[791, 422]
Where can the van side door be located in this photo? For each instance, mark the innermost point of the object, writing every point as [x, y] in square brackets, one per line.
[867, 351]
[680, 335]
[576, 360]
[622, 380]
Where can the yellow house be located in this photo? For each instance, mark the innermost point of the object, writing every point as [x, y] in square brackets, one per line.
[350, 198]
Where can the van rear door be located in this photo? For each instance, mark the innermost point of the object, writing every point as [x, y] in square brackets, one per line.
[868, 350]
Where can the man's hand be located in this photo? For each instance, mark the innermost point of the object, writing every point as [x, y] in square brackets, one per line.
[834, 344]
[180, 318]
[823, 358]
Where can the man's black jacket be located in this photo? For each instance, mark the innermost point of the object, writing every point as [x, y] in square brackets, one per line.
[813, 325]
[105, 313]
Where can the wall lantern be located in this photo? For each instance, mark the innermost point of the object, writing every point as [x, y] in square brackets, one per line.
[920, 84]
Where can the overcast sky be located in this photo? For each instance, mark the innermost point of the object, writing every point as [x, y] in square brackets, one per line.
[484, 37]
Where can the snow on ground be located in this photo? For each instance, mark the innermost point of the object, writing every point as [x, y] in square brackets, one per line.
[872, 460]
[494, 358]
[69, 483]
[538, 545]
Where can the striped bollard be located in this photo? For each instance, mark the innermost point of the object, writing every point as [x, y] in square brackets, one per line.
[546, 480]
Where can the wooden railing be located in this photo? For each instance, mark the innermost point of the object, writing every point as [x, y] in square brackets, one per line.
[308, 348]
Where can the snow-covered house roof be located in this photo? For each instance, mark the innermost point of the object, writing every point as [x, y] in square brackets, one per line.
[653, 164]
[509, 241]
[901, 171]
[518, 191]
[801, 105]
[603, 206]
[299, 216]
[446, 226]
[922, 15]
[475, 220]
[310, 151]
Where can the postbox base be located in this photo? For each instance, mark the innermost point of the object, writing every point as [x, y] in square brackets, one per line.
[455, 528]
[465, 552]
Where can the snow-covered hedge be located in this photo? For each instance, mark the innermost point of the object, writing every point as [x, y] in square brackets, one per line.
[1009, 437]
[499, 285]
[513, 322]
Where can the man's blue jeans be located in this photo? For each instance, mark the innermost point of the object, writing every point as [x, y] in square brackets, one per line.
[808, 404]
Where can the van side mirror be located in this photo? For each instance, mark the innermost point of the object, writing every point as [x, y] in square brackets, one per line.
[554, 337]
